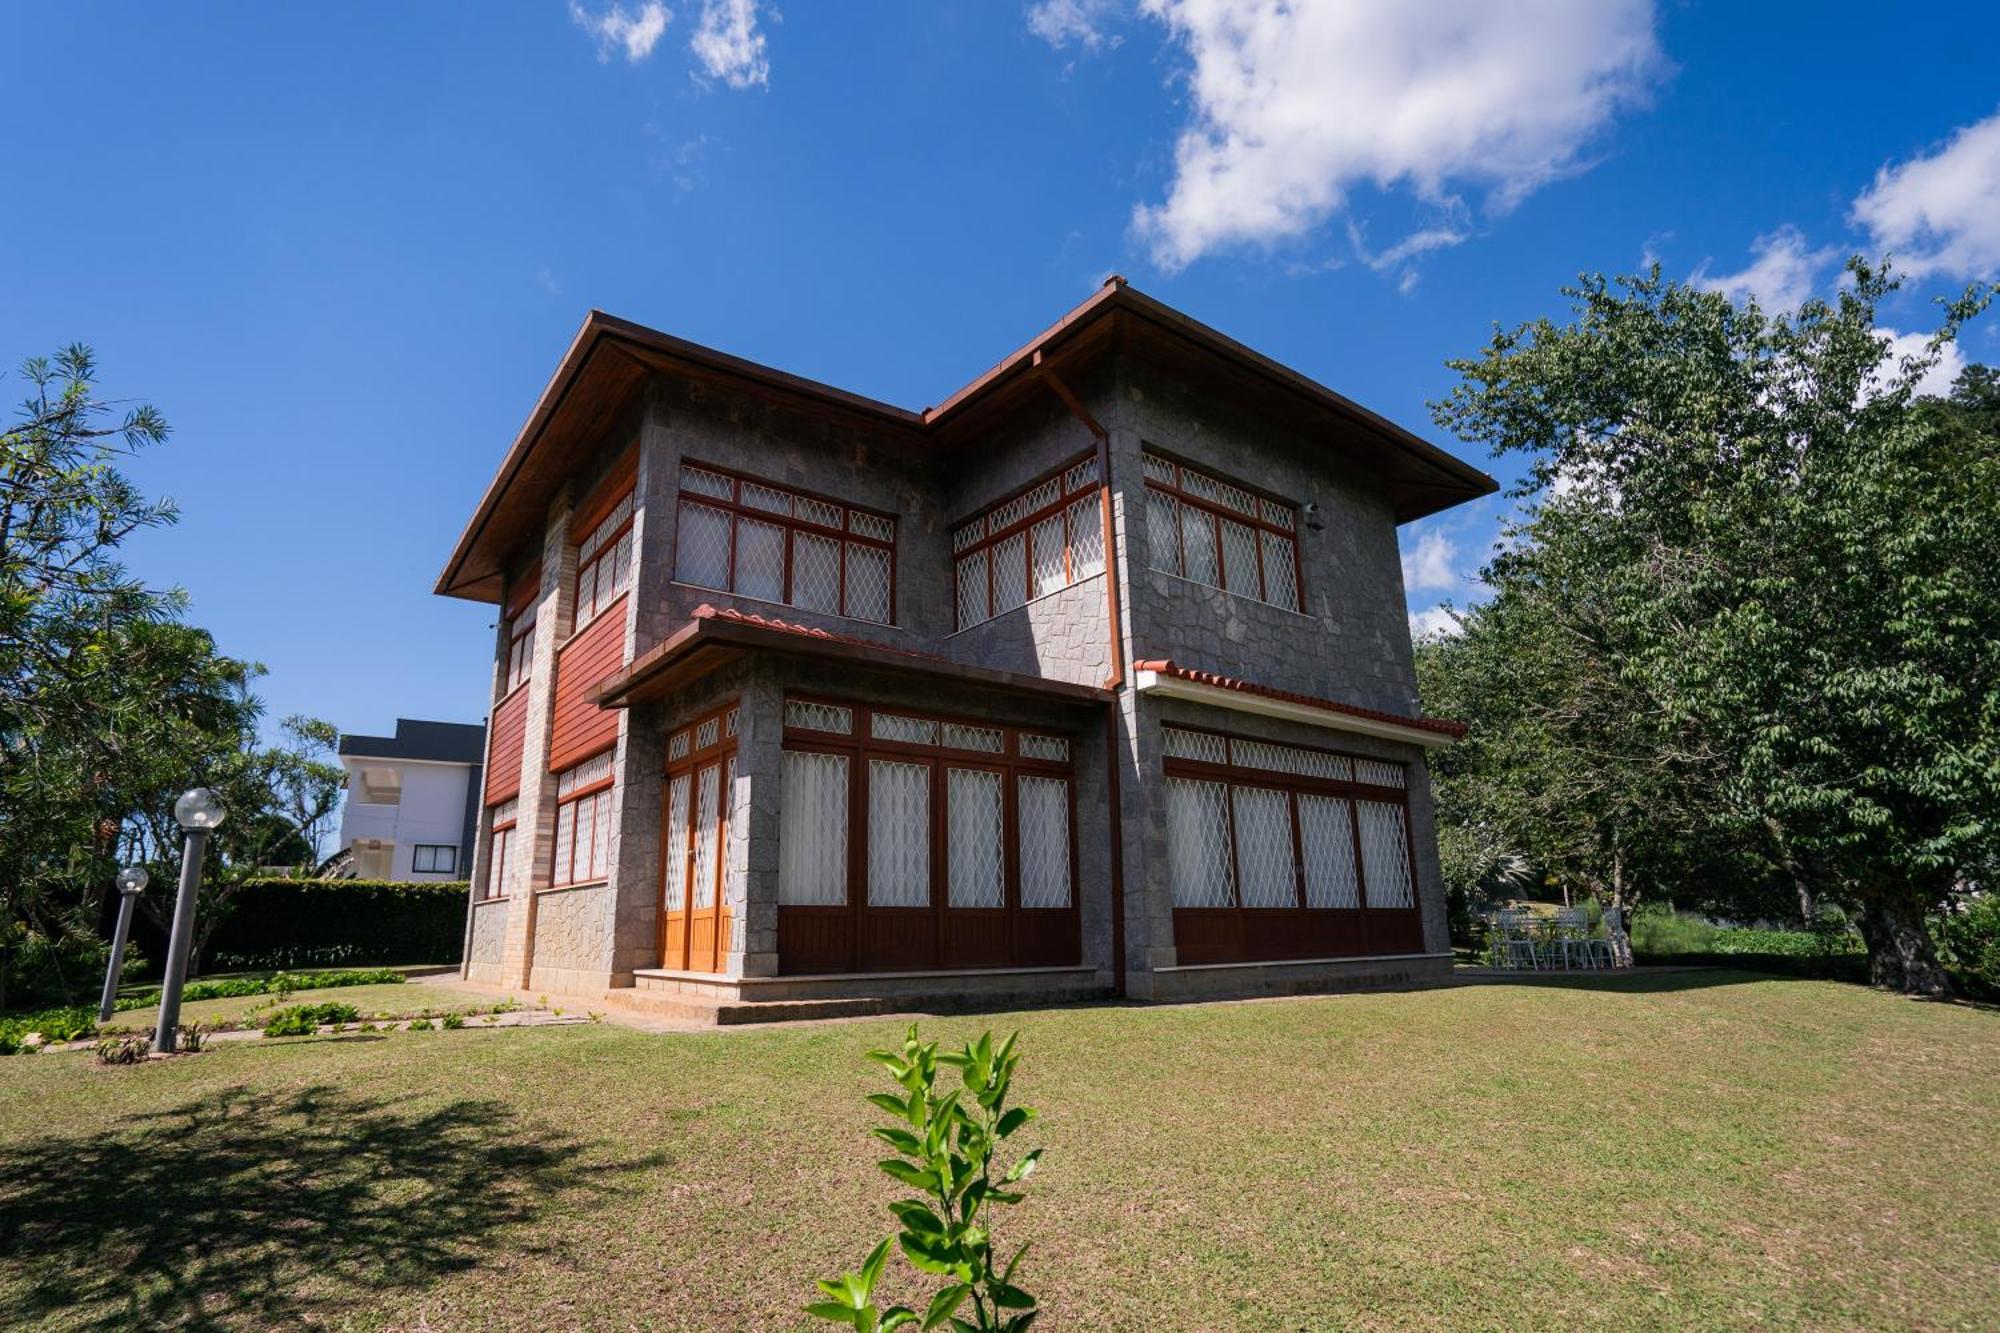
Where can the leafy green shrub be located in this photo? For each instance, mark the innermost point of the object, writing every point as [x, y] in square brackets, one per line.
[292, 923]
[1968, 937]
[9, 1043]
[302, 1020]
[194, 1036]
[278, 983]
[124, 1050]
[72, 1023]
[946, 1144]
[453, 1022]
[420, 1025]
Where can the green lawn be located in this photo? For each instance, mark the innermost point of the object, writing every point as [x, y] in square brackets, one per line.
[1692, 1151]
[406, 998]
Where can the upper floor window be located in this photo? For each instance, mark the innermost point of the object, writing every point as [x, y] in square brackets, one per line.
[501, 862]
[1046, 536]
[1205, 529]
[737, 534]
[604, 562]
[520, 649]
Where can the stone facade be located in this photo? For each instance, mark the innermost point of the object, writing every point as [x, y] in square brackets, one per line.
[1348, 642]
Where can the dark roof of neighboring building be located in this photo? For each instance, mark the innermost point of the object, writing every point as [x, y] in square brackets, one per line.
[714, 636]
[610, 359]
[442, 742]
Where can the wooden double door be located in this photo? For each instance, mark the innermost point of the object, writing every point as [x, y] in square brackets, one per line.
[694, 852]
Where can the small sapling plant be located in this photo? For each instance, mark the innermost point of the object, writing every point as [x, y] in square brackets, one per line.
[948, 1146]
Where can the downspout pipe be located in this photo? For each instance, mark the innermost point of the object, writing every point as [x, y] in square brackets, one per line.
[1115, 681]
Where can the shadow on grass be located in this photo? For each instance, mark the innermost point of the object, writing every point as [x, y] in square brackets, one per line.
[249, 1209]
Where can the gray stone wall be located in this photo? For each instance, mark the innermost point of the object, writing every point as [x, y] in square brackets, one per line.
[1351, 641]
[486, 941]
[573, 934]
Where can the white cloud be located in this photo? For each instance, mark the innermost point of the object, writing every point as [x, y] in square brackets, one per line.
[728, 45]
[1780, 278]
[1941, 213]
[1935, 381]
[1294, 105]
[1431, 563]
[1085, 22]
[1436, 623]
[636, 32]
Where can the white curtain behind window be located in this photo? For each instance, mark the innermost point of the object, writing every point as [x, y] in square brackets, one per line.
[1198, 843]
[1264, 847]
[973, 810]
[812, 830]
[1385, 855]
[899, 834]
[1042, 805]
[1327, 842]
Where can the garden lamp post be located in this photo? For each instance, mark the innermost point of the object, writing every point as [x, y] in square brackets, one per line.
[199, 813]
[131, 883]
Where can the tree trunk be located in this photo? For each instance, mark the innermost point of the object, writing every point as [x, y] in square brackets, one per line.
[1621, 940]
[1900, 954]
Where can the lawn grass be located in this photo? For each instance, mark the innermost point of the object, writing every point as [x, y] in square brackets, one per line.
[1700, 1150]
[406, 998]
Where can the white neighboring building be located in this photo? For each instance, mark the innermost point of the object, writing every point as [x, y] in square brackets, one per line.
[412, 800]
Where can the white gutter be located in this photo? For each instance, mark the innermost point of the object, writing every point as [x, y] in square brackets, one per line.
[1240, 701]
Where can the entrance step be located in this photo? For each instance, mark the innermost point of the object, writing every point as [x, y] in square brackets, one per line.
[706, 997]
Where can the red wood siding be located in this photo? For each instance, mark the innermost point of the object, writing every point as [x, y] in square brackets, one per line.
[582, 728]
[503, 753]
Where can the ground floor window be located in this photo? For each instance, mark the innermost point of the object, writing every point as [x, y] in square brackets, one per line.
[908, 839]
[583, 822]
[1273, 849]
[500, 862]
[433, 859]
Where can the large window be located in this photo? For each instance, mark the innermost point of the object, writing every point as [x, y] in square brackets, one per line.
[913, 840]
[501, 862]
[433, 859]
[583, 822]
[737, 534]
[701, 789]
[604, 562]
[1254, 825]
[1208, 530]
[1046, 536]
[520, 649]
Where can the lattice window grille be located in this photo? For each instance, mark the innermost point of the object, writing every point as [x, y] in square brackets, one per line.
[677, 746]
[1376, 773]
[820, 512]
[1201, 746]
[812, 830]
[1159, 469]
[1081, 475]
[1042, 809]
[1254, 557]
[730, 721]
[870, 525]
[1385, 855]
[908, 730]
[899, 834]
[1051, 549]
[767, 498]
[985, 740]
[1010, 573]
[677, 843]
[705, 734]
[816, 573]
[1052, 748]
[597, 768]
[809, 715]
[1086, 539]
[1198, 860]
[868, 583]
[1264, 858]
[1163, 531]
[784, 562]
[507, 812]
[707, 812]
[701, 546]
[1326, 847]
[976, 863]
[702, 482]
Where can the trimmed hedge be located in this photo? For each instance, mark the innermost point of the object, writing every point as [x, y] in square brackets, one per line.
[294, 923]
[1819, 966]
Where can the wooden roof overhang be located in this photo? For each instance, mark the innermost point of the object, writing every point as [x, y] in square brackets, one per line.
[610, 360]
[715, 639]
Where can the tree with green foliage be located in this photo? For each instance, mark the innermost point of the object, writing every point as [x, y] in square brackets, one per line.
[110, 705]
[1746, 638]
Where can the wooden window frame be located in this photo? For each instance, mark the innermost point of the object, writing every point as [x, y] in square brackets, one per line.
[720, 752]
[501, 847]
[1232, 775]
[792, 525]
[861, 747]
[607, 547]
[577, 797]
[1217, 512]
[992, 537]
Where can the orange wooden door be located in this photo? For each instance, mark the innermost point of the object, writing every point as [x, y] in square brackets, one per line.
[695, 823]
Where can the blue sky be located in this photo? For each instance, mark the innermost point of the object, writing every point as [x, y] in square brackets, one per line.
[342, 252]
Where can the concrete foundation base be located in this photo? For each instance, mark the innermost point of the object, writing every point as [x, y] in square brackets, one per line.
[1218, 981]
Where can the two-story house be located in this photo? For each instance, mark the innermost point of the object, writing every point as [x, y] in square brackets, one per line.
[413, 800]
[1095, 677]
